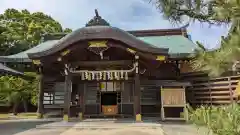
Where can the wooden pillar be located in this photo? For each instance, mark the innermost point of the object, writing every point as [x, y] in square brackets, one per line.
[81, 100]
[67, 96]
[41, 94]
[137, 92]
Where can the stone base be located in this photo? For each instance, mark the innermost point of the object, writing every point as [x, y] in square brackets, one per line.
[138, 118]
[80, 116]
[65, 118]
[39, 115]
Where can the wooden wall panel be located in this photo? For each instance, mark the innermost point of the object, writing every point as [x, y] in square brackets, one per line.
[164, 71]
[216, 91]
[173, 96]
[185, 67]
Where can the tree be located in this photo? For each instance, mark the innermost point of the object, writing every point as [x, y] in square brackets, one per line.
[15, 90]
[21, 30]
[214, 12]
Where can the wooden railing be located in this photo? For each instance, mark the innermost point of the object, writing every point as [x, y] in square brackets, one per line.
[206, 90]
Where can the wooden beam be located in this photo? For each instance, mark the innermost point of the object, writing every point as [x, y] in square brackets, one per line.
[101, 63]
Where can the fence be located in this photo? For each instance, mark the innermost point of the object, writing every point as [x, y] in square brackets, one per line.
[214, 91]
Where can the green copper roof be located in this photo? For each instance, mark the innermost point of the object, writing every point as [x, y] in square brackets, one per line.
[6, 69]
[179, 46]
[23, 56]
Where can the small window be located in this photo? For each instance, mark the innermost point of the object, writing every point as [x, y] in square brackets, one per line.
[48, 98]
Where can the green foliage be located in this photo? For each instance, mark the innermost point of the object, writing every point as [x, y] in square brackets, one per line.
[21, 30]
[175, 10]
[33, 83]
[15, 90]
[218, 61]
[221, 120]
[223, 59]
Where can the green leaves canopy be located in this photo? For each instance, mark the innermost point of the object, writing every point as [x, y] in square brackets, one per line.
[216, 12]
[21, 30]
[16, 90]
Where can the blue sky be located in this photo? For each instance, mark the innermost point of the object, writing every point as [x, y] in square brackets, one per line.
[125, 14]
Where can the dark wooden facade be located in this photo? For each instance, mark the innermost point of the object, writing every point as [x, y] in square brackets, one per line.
[136, 94]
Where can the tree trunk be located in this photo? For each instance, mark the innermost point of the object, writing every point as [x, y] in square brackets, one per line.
[15, 108]
[25, 105]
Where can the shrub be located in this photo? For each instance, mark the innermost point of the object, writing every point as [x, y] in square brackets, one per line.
[221, 120]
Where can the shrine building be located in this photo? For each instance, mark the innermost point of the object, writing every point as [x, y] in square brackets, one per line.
[103, 71]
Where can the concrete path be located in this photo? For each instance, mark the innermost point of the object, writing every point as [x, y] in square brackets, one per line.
[13, 127]
[172, 128]
[96, 128]
[112, 127]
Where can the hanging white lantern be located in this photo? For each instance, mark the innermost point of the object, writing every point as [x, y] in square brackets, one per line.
[93, 75]
[117, 76]
[89, 76]
[126, 75]
[121, 74]
[108, 75]
[111, 75]
[82, 76]
[100, 75]
[86, 75]
[104, 75]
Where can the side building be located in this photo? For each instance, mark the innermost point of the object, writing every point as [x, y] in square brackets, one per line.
[4, 70]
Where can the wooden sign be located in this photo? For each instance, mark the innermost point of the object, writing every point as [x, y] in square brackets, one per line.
[36, 62]
[97, 44]
[65, 52]
[131, 50]
[109, 109]
[173, 96]
[161, 58]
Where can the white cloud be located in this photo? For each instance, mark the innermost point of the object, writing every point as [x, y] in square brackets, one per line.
[125, 14]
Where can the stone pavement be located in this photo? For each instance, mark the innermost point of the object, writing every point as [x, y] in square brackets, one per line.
[95, 127]
[174, 128]
[12, 127]
[113, 127]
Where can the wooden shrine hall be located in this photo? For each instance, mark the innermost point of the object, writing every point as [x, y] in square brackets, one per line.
[103, 71]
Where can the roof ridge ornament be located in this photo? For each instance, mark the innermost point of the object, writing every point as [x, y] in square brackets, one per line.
[97, 20]
[96, 13]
